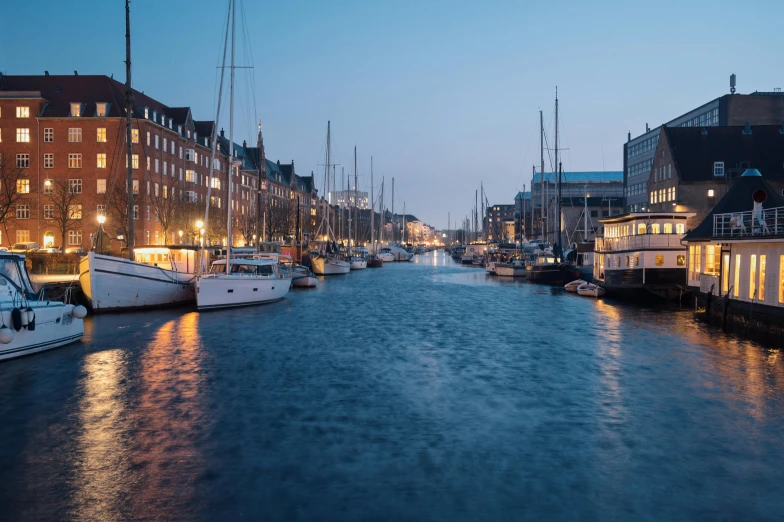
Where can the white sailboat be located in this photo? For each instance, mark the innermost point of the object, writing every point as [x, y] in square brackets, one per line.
[28, 324]
[237, 282]
[327, 261]
[358, 258]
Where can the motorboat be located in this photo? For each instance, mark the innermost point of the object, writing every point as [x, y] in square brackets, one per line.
[375, 261]
[28, 323]
[386, 255]
[302, 277]
[572, 286]
[399, 253]
[591, 290]
[512, 268]
[158, 276]
[358, 259]
[249, 282]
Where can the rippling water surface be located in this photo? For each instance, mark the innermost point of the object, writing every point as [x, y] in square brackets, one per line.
[417, 391]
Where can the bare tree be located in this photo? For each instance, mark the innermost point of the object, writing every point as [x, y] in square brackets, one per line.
[166, 201]
[247, 225]
[66, 213]
[281, 215]
[118, 207]
[10, 174]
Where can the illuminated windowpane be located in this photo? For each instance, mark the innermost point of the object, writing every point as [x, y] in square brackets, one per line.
[101, 135]
[725, 274]
[753, 276]
[763, 262]
[736, 279]
[23, 112]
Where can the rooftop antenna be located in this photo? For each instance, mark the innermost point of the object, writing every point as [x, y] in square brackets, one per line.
[732, 83]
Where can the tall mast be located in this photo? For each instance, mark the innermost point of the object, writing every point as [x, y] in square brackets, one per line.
[585, 219]
[342, 178]
[214, 136]
[404, 223]
[231, 135]
[558, 186]
[383, 216]
[129, 118]
[326, 180]
[541, 181]
[373, 209]
[356, 205]
[394, 225]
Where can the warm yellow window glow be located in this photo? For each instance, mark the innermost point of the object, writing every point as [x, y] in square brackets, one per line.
[660, 260]
[134, 135]
[698, 259]
[736, 281]
[23, 186]
[680, 228]
[753, 276]
[23, 135]
[763, 262]
[101, 135]
[710, 193]
[781, 279]
[725, 275]
[23, 112]
[641, 228]
[712, 259]
[101, 161]
[668, 228]
[656, 228]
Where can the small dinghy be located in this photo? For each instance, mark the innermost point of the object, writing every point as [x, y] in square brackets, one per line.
[572, 287]
[302, 277]
[591, 290]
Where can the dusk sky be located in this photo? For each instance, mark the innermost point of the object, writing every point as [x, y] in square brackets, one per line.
[443, 94]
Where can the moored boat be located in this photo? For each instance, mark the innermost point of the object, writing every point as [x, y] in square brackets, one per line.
[375, 262]
[302, 277]
[590, 290]
[512, 268]
[573, 285]
[249, 282]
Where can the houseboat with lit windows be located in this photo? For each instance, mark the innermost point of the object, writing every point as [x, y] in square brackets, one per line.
[736, 254]
[641, 253]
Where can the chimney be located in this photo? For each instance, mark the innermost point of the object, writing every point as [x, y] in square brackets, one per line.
[647, 129]
[629, 136]
[278, 163]
[76, 73]
[46, 73]
[244, 144]
[221, 134]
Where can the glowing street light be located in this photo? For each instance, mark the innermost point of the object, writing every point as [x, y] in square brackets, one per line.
[101, 221]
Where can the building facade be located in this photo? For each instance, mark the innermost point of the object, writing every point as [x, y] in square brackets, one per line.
[759, 108]
[498, 221]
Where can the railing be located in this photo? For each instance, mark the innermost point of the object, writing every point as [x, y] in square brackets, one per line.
[643, 241]
[767, 222]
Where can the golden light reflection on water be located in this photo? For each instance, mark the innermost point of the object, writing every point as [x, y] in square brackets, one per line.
[139, 425]
[103, 464]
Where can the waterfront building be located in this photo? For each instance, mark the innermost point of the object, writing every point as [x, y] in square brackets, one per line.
[694, 167]
[737, 251]
[522, 214]
[574, 188]
[573, 216]
[498, 223]
[758, 108]
[642, 252]
[348, 198]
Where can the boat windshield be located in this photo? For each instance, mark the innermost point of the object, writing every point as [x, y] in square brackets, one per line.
[242, 268]
[9, 268]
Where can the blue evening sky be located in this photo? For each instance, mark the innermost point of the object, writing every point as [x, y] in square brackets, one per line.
[443, 94]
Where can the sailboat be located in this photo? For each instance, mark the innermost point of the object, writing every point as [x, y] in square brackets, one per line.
[245, 281]
[328, 261]
[374, 261]
[358, 258]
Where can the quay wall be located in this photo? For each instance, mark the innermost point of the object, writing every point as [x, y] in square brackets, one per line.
[751, 320]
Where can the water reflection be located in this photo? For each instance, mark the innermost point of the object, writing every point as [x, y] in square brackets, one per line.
[103, 457]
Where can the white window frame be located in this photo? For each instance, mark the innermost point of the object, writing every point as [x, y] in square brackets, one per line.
[75, 135]
[100, 186]
[718, 169]
[49, 135]
[49, 161]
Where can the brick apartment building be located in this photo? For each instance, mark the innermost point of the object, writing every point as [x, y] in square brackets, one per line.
[64, 163]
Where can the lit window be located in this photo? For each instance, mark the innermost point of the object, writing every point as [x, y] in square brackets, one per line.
[76, 109]
[710, 193]
[101, 108]
[23, 135]
[146, 115]
[48, 135]
[101, 135]
[736, 279]
[680, 228]
[48, 186]
[74, 237]
[23, 112]
[725, 274]
[134, 161]
[101, 161]
[74, 212]
[753, 277]
[22, 161]
[190, 176]
[48, 161]
[134, 135]
[101, 188]
[22, 236]
[641, 228]
[75, 186]
[216, 183]
[718, 169]
[148, 163]
[101, 210]
[681, 260]
[659, 260]
[136, 186]
[655, 228]
[712, 259]
[74, 135]
[668, 228]
[74, 161]
[781, 279]
[23, 186]
[763, 263]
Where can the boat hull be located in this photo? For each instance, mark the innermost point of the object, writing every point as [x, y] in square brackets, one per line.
[55, 326]
[375, 263]
[308, 281]
[358, 264]
[115, 284]
[329, 266]
[509, 271]
[214, 292]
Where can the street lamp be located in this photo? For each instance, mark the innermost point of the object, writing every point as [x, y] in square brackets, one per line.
[180, 234]
[101, 221]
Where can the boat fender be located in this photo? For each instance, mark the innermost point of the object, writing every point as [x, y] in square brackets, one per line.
[16, 319]
[6, 334]
[79, 311]
[23, 314]
[30, 315]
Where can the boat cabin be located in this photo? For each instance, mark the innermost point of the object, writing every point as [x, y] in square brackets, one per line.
[642, 250]
[178, 258]
[247, 267]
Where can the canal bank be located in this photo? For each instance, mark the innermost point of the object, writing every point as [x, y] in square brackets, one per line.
[423, 390]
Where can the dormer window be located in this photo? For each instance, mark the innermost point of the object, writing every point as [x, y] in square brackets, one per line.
[163, 120]
[76, 110]
[101, 109]
[206, 144]
[188, 133]
[179, 130]
[154, 115]
[146, 113]
[718, 169]
[171, 122]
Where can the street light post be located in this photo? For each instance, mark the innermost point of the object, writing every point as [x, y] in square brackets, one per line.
[101, 221]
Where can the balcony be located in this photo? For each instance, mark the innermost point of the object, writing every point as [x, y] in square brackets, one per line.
[767, 222]
[641, 242]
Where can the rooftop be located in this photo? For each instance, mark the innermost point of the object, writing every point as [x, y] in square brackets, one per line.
[582, 177]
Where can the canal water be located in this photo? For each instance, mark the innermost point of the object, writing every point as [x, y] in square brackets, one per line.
[416, 391]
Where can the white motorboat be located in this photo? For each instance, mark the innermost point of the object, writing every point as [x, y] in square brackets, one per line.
[591, 290]
[572, 287]
[29, 324]
[159, 276]
[302, 277]
[490, 267]
[399, 253]
[386, 255]
[358, 263]
[330, 265]
[249, 282]
[515, 268]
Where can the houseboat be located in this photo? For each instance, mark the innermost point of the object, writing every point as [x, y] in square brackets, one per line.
[737, 254]
[641, 254]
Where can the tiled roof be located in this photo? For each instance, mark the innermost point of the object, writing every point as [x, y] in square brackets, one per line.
[695, 149]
